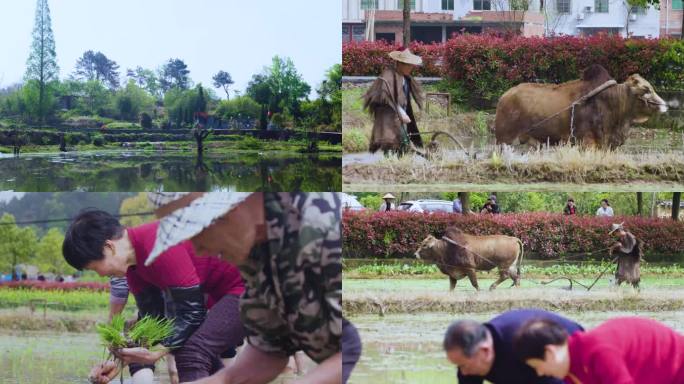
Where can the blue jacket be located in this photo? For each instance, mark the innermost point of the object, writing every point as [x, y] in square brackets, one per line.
[507, 369]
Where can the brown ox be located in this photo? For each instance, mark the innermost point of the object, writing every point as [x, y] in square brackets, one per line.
[603, 120]
[458, 255]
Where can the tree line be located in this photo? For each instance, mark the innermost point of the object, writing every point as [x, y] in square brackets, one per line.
[166, 96]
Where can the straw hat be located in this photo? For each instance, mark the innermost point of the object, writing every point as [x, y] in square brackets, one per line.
[388, 196]
[407, 57]
[616, 227]
[191, 217]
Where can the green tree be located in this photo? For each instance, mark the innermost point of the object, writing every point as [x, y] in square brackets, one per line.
[222, 79]
[174, 74]
[260, 91]
[96, 98]
[288, 88]
[136, 204]
[146, 79]
[42, 61]
[96, 66]
[241, 106]
[49, 253]
[131, 101]
[17, 245]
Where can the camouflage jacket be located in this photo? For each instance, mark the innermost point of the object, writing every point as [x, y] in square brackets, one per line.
[293, 282]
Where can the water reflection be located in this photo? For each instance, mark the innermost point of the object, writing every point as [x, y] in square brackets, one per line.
[171, 171]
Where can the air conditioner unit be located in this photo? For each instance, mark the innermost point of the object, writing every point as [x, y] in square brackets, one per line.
[580, 16]
[632, 17]
[587, 9]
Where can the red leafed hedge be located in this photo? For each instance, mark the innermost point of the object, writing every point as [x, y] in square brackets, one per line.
[53, 285]
[548, 235]
[369, 58]
[487, 65]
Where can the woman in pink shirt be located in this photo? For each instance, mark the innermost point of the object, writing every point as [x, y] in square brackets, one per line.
[97, 241]
[627, 350]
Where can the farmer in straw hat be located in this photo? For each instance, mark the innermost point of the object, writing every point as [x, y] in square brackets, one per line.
[629, 255]
[288, 248]
[389, 102]
[388, 205]
[97, 241]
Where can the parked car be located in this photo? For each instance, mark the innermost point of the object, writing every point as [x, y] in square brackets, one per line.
[427, 206]
[349, 202]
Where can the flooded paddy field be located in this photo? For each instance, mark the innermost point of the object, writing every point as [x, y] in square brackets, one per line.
[136, 170]
[41, 357]
[406, 348]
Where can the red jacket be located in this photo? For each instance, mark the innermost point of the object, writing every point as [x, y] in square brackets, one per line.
[179, 267]
[627, 350]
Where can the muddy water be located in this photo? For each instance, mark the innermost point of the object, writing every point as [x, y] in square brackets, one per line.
[406, 348]
[66, 358]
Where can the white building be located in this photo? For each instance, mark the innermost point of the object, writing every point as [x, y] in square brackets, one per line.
[587, 17]
[436, 20]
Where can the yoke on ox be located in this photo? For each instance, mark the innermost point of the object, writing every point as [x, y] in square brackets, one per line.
[592, 111]
[458, 255]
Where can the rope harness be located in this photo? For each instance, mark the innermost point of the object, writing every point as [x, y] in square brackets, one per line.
[570, 279]
[572, 106]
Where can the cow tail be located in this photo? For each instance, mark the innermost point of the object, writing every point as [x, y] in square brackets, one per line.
[520, 257]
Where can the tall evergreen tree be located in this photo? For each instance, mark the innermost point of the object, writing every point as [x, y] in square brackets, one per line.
[41, 65]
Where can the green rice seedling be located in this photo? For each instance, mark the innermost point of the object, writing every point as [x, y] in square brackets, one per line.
[112, 334]
[149, 331]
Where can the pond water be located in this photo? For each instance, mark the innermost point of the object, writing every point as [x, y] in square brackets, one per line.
[170, 171]
[63, 358]
[406, 348]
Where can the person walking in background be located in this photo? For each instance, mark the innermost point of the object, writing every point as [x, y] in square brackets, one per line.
[458, 207]
[388, 204]
[495, 206]
[621, 350]
[605, 210]
[630, 252]
[570, 207]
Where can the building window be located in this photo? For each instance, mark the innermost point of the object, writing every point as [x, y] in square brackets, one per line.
[638, 10]
[677, 5]
[482, 5]
[601, 6]
[346, 33]
[563, 6]
[358, 32]
[447, 5]
[369, 4]
[400, 5]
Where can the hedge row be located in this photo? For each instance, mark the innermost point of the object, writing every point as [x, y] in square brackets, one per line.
[548, 235]
[488, 65]
[54, 285]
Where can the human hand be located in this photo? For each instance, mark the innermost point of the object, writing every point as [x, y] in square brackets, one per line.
[137, 355]
[103, 373]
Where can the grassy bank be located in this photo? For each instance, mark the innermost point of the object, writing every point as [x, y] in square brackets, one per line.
[229, 144]
[564, 164]
[56, 300]
[411, 270]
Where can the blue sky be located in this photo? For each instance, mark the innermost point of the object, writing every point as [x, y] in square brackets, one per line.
[239, 37]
